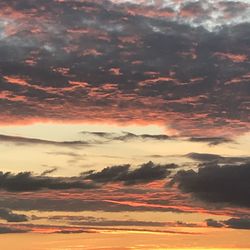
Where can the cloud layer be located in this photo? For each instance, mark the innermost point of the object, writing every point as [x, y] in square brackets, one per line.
[123, 62]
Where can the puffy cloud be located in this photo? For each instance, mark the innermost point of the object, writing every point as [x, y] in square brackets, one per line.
[26, 181]
[147, 172]
[217, 184]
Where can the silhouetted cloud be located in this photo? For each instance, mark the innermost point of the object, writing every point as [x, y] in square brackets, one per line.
[26, 181]
[9, 230]
[214, 223]
[203, 157]
[49, 171]
[9, 216]
[235, 223]
[102, 222]
[212, 141]
[92, 221]
[17, 140]
[238, 223]
[147, 172]
[79, 205]
[127, 136]
[217, 184]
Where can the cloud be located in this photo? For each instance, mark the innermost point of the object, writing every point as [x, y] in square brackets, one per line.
[17, 140]
[102, 222]
[217, 184]
[238, 223]
[56, 229]
[79, 205]
[147, 172]
[214, 223]
[106, 62]
[92, 221]
[9, 216]
[44, 229]
[235, 223]
[127, 136]
[203, 157]
[212, 141]
[49, 171]
[26, 181]
[9, 230]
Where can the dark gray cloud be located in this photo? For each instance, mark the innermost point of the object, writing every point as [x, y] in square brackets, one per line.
[26, 228]
[18, 140]
[92, 221]
[212, 141]
[127, 136]
[214, 158]
[147, 172]
[49, 171]
[9, 216]
[214, 223]
[102, 222]
[204, 157]
[51, 229]
[212, 183]
[9, 230]
[26, 181]
[79, 205]
[238, 223]
[235, 223]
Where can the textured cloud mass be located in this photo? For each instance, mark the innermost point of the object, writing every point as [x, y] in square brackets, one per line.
[27, 181]
[147, 172]
[212, 183]
[96, 72]
[176, 64]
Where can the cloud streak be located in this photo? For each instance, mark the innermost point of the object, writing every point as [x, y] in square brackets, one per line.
[9, 216]
[25, 141]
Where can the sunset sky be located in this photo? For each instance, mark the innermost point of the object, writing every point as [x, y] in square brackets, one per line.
[124, 124]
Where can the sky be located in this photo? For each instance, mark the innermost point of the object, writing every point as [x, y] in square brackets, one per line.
[124, 125]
